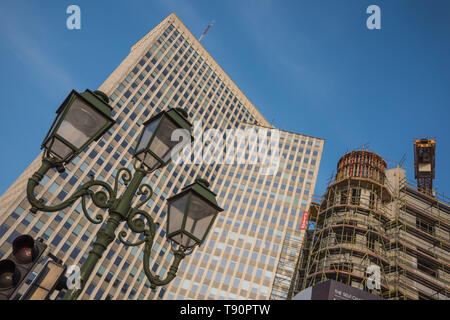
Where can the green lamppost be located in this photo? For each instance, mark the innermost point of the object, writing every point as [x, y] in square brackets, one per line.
[84, 118]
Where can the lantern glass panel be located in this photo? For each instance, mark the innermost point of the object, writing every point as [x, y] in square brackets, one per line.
[147, 135]
[58, 148]
[150, 161]
[199, 217]
[176, 213]
[80, 124]
[162, 143]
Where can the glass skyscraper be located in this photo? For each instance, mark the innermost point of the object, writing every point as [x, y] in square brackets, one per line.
[167, 68]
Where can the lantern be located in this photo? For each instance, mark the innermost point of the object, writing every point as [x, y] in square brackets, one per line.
[81, 119]
[191, 214]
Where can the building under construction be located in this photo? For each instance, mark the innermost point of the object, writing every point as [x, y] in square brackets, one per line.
[371, 219]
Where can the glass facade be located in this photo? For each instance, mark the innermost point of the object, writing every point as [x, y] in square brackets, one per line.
[169, 68]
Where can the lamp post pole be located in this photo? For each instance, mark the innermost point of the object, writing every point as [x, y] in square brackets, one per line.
[106, 235]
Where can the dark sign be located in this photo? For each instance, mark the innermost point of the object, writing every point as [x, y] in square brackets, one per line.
[334, 290]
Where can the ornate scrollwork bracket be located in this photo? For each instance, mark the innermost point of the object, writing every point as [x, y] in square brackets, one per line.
[100, 198]
[146, 226]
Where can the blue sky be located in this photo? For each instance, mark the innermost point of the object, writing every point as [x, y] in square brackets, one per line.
[309, 66]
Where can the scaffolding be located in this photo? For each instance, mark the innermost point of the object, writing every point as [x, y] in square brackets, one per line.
[349, 233]
[419, 248]
[300, 266]
[366, 219]
[286, 267]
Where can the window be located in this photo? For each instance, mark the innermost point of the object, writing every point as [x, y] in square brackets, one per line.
[356, 195]
[372, 200]
[118, 260]
[73, 180]
[427, 266]
[53, 187]
[186, 284]
[75, 253]
[344, 266]
[425, 225]
[344, 197]
[90, 289]
[66, 246]
[218, 276]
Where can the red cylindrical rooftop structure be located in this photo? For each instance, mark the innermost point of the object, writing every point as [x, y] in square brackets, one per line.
[361, 164]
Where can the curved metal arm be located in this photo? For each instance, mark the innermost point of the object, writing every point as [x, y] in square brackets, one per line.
[100, 198]
[171, 274]
[138, 225]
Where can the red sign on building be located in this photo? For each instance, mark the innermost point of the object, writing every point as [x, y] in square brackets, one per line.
[304, 220]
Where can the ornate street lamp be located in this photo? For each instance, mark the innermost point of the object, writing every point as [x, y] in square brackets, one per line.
[85, 117]
[81, 119]
[191, 214]
[155, 143]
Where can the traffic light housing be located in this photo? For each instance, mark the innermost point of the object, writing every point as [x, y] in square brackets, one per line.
[16, 268]
[49, 279]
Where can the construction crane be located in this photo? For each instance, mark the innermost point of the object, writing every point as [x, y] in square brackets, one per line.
[424, 161]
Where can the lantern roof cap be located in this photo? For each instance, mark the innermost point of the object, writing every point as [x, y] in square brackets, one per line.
[201, 188]
[177, 115]
[180, 117]
[97, 98]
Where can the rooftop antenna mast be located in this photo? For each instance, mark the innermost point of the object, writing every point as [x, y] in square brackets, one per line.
[273, 122]
[206, 30]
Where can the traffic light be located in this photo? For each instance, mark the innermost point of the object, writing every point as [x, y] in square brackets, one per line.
[16, 268]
